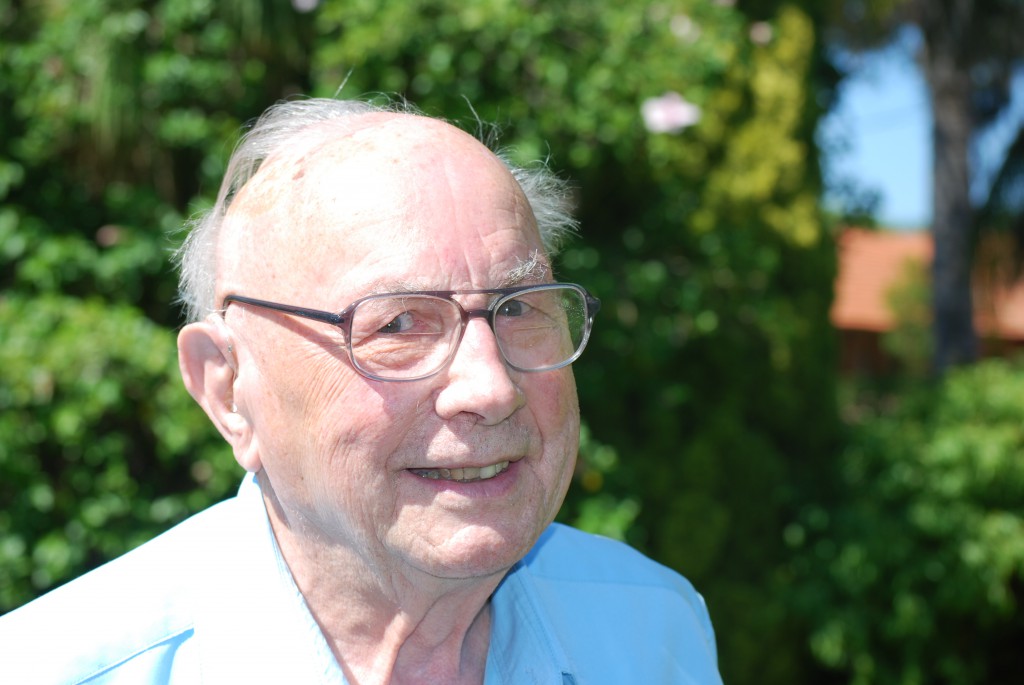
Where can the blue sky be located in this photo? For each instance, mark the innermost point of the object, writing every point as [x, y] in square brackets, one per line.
[884, 121]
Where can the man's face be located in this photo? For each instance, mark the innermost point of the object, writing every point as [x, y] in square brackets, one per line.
[410, 203]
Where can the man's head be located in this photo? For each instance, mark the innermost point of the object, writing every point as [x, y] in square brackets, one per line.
[278, 130]
[452, 475]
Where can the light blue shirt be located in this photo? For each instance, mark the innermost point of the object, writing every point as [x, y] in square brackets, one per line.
[212, 601]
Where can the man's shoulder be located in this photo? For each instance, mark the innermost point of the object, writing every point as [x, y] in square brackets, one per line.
[137, 603]
[575, 565]
[565, 553]
[616, 612]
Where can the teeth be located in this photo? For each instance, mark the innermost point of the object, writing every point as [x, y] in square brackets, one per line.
[463, 475]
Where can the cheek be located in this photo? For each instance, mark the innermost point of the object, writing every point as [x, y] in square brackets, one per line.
[348, 433]
[558, 409]
[333, 444]
[557, 413]
[351, 428]
[304, 407]
[328, 396]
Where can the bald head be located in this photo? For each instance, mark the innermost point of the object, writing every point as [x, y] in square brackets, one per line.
[305, 158]
[345, 187]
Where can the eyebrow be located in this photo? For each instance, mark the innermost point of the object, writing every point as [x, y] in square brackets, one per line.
[535, 268]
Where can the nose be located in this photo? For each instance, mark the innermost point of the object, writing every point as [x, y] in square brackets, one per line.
[477, 380]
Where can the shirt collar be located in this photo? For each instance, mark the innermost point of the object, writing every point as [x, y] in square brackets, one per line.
[252, 623]
[251, 602]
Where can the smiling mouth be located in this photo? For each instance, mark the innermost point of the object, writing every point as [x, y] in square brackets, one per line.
[470, 474]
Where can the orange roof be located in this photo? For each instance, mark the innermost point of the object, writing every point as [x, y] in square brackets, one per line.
[871, 263]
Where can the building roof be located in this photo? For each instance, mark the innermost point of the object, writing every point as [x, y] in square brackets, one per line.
[873, 263]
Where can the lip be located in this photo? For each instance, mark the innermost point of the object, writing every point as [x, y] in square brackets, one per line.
[463, 473]
[496, 486]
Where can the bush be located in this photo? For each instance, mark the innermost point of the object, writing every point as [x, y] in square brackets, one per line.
[101, 448]
[917, 576]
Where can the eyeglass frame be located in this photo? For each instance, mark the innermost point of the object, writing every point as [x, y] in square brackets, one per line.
[343, 320]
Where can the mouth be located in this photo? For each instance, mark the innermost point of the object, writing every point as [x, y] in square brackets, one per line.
[469, 474]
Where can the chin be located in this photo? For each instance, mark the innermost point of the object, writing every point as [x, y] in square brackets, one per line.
[476, 552]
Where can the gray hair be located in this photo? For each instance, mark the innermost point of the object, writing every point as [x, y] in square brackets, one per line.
[279, 127]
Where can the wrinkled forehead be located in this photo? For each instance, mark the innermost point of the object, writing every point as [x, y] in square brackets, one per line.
[386, 183]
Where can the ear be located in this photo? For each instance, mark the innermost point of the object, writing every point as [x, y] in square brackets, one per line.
[209, 368]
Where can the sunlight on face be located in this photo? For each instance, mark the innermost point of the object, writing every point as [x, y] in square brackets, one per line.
[455, 475]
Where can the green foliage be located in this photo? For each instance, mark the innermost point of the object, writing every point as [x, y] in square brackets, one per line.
[113, 115]
[708, 389]
[916, 577]
[600, 512]
[100, 448]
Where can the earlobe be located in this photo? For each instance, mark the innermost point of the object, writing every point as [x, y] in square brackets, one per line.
[209, 368]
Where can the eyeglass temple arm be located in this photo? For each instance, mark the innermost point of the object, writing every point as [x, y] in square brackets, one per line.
[315, 314]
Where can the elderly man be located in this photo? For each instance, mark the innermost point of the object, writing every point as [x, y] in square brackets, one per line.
[378, 336]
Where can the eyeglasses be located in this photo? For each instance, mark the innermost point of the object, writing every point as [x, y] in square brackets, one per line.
[411, 336]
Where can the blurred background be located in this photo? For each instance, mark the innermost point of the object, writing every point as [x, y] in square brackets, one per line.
[803, 392]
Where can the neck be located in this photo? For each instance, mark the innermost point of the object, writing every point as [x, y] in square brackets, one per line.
[384, 624]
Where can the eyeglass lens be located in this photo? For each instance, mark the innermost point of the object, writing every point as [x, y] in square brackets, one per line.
[408, 336]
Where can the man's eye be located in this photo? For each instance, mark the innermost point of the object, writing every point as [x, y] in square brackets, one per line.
[400, 324]
[513, 308]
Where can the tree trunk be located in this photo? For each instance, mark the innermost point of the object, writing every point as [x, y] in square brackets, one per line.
[955, 339]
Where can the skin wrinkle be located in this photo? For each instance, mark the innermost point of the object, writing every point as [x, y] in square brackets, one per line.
[396, 573]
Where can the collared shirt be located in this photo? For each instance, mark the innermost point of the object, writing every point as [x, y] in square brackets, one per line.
[212, 601]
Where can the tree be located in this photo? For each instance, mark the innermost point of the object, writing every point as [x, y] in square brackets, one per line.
[968, 51]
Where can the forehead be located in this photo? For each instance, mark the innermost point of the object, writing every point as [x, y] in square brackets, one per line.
[401, 197]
